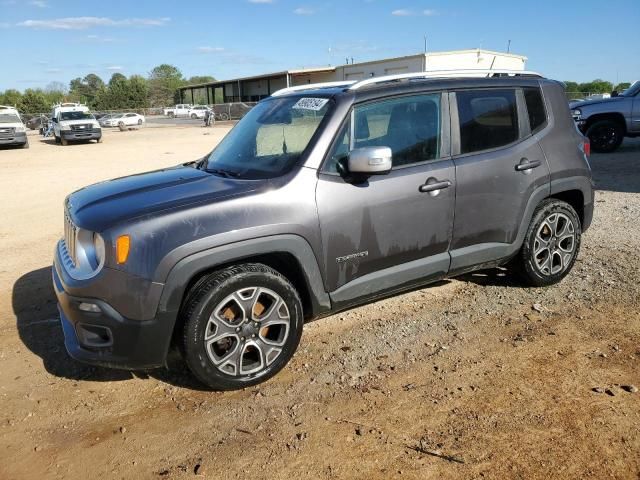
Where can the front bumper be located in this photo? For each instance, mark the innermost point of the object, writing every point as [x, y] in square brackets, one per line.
[18, 138]
[71, 135]
[105, 336]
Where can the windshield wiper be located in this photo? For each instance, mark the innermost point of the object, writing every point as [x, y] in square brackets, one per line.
[222, 172]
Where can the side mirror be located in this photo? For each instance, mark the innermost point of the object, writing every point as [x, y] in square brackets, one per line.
[370, 161]
[614, 93]
[54, 120]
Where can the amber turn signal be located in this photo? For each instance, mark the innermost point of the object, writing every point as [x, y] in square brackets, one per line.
[123, 243]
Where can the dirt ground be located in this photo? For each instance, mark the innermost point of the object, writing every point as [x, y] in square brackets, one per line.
[473, 378]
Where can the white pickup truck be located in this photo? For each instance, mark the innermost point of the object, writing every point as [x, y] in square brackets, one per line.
[181, 110]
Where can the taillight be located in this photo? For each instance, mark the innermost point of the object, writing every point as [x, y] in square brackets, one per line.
[587, 147]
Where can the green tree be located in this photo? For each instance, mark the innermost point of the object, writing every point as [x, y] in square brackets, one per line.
[138, 92]
[622, 86]
[33, 101]
[571, 86]
[596, 86]
[10, 97]
[164, 81]
[117, 77]
[87, 89]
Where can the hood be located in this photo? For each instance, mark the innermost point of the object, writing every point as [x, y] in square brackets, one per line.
[103, 205]
[78, 122]
[11, 125]
[587, 103]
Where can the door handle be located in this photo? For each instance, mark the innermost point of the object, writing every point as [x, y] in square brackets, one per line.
[433, 186]
[527, 165]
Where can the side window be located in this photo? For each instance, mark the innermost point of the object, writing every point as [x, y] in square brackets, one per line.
[535, 108]
[410, 126]
[488, 119]
[340, 149]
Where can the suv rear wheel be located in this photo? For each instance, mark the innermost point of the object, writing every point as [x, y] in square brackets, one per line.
[605, 135]
[242, 325]
[551, 244]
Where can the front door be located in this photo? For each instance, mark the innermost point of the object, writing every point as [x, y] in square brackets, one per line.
[391, 230]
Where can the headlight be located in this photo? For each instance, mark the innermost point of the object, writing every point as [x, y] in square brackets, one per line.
[96, 125]
[577, 113]
[99, 248]
[21, 129]
[65, 127]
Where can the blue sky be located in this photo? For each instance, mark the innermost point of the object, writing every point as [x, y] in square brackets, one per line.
[57, 40]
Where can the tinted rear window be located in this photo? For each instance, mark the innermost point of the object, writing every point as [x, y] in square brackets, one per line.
[535, 108]
[488, 119]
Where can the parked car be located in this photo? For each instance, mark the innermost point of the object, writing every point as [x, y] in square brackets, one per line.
[607, 121]
[74, 122]
[197, 111]
[12, 130]
[321, 198]
[104, 120]
[35, 123]
[180, 110]
[125, 119]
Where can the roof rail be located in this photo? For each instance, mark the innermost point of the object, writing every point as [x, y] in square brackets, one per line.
[471, 73]
[311, 86]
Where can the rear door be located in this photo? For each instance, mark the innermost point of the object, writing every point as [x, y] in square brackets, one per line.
[499, 167]
[392, 229]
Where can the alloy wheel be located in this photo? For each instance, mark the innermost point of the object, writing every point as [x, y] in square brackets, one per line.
[554, 244]
[247, 331]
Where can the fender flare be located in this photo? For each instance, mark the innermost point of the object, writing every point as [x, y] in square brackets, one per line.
[192, 265]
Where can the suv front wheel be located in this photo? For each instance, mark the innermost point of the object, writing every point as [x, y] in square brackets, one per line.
[242, 325]
[551, 244]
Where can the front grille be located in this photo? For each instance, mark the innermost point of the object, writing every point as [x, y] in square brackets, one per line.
[85, 127]
[70, 234]
[7, 132]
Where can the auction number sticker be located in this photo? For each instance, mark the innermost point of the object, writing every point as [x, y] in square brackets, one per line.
[314, 104]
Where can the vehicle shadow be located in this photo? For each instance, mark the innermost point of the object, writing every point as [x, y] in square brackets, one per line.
[495, 277]
[618, 171]
[38, 323]
[11, 147]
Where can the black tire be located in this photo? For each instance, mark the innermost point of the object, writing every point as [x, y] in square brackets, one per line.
[25, 145]
[171, 114]
[64, 142]
[194, 116]
[139, 121]
[207, 295]
[57, 139]
[605, 136]
[224, 116]
[529, 264]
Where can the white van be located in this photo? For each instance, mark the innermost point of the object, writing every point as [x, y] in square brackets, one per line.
[72, 122]
[12, 130]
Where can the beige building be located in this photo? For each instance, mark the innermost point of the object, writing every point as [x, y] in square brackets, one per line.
[252, 89]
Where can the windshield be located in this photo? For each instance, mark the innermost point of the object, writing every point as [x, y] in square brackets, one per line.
[9, 118]
[632, 90]
[270, 139]
[76, 116]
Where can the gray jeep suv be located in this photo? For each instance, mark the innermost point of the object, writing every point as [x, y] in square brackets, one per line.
[321, 198]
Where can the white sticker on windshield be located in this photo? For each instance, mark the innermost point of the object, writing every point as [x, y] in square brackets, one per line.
[311, 103]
